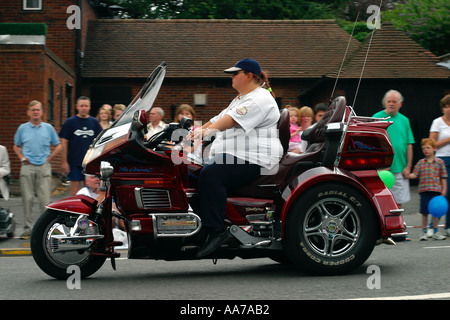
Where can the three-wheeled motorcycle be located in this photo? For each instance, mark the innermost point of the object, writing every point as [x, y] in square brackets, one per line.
[323, 210]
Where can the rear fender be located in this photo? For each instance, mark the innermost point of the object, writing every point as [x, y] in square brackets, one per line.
[77, 204]
[367, 182]
[389, 214]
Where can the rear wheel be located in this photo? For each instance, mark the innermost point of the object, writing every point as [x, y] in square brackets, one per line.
[61, 240]
[331, 229]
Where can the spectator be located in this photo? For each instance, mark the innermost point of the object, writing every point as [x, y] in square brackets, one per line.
[117, 111]
[107, 107]
[76, 135]
[432, 176]
[32, 143]
[306, 118]
[104, 117]
[91, 187]
[402, 140]
[319, 111]
[184, 110]
[92, 190]
[155, 121]
[294, 141]
[440, 131]
[4, 171]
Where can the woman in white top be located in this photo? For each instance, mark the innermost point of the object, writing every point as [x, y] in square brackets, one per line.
[440, 131]
[246, 146]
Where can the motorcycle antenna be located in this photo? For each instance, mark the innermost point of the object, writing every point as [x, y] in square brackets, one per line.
[365, 60]
[343, 59]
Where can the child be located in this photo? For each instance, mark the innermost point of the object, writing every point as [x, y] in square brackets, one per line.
[294, 141]
[432, 176]
[306, 118]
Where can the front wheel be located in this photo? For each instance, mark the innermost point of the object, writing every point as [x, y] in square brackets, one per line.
[60, 240]
[331, 229]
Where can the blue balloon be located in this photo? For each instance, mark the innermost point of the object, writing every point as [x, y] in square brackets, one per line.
[438, 206]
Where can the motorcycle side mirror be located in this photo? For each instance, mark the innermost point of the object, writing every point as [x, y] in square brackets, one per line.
[140, 120]
[186, 123]
[106, 170]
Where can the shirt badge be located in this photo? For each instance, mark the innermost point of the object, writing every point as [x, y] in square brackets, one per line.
[242, 111]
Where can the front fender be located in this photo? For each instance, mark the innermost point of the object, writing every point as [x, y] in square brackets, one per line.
[77, 204]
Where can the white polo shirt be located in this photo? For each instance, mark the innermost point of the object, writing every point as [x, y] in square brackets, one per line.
[256, 140]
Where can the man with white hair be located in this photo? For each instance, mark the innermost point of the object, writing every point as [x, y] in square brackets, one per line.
[402, 140]
[155, 121]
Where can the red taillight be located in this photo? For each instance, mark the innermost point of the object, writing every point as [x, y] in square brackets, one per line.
[366, 148]
[377, 162]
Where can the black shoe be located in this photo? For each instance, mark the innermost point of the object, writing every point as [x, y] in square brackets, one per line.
[215, 238]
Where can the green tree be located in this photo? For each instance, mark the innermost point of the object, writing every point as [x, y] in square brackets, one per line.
[425, 21]
[225, 9]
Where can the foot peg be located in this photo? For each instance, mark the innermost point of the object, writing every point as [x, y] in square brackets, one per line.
[249, 241]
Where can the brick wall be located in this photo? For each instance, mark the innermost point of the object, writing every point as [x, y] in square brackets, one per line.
[24, 74]
[60, 39]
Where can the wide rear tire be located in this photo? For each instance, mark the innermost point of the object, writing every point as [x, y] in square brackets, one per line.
[331, 229]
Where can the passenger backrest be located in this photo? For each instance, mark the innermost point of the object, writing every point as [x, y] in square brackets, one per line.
[283, 129]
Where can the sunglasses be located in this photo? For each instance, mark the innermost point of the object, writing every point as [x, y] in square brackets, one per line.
[235, 73]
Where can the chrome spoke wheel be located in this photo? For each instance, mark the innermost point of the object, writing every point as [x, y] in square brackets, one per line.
[331, 227]
[69, 241]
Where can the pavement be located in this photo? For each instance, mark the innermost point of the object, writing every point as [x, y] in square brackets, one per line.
[17, 247]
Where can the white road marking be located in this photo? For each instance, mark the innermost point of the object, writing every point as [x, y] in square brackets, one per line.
[444, 295]
[437, 247]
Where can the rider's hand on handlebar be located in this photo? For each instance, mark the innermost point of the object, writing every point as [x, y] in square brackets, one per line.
[198, 134]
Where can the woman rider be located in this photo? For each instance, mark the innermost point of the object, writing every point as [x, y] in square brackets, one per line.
[245, 147]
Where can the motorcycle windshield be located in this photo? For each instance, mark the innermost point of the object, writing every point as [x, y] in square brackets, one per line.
[143, 100]
[120, 128]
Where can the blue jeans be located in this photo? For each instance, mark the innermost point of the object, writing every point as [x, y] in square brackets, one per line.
[219, 176]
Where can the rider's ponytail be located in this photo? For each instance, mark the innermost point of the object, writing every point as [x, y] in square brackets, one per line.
[264, 80]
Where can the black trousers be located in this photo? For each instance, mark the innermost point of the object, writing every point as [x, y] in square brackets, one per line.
[220, 175]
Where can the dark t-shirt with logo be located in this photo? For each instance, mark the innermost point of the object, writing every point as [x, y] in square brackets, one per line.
[79, 132]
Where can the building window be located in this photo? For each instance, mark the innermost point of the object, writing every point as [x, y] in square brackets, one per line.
[32, 4]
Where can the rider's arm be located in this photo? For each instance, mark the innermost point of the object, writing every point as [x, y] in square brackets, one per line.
[222, 124]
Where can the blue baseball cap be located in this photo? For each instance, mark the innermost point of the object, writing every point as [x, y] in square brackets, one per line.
[248, 65]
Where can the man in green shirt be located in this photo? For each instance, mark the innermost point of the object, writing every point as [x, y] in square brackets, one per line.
[402, 140]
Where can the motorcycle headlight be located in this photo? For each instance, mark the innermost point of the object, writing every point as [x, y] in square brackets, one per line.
[91, 154]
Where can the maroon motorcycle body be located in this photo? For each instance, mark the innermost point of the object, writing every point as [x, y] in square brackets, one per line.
[323, 210]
